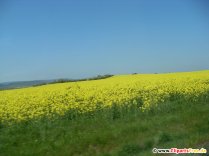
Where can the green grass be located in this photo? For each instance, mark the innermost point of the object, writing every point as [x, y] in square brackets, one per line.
[118, 131]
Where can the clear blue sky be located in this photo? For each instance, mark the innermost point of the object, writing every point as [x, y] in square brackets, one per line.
[46, 39]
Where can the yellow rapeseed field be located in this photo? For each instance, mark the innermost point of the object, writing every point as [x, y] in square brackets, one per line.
[144, 90]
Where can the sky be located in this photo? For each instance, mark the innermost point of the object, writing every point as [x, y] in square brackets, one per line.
[78, 38]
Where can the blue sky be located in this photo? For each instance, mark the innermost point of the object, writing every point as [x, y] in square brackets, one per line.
[73, 39]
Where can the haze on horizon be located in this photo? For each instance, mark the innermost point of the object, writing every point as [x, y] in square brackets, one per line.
[75, 39]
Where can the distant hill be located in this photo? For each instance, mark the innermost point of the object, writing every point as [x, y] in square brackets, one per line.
[22, 84]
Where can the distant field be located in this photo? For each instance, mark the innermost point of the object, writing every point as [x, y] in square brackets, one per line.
[120, 115]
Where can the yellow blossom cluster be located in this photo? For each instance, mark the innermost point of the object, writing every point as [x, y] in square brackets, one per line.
[146, 89]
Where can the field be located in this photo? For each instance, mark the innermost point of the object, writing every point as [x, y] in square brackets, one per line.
[120, 115]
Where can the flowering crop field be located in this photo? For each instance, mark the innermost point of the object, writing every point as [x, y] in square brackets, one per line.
[121, 115]
[141, 90]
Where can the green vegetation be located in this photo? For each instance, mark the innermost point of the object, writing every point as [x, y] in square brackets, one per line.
[180, 123]
[98, 77]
